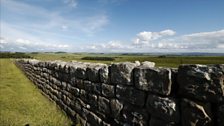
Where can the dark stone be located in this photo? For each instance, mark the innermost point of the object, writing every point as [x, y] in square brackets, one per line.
[158, 122]
[96, 88]
[134, 116]
[94, 120]
[83, 95]
[74, 91]
[195, 114]
[104, 105]
[131, 95]
[202, 82]
[164, 108]
[88, 86]
[155, 80]
[108, 90]
[80, 72]
[116, 107]
[92, 73]
[220, 115]
[92, 101]
[121, 73]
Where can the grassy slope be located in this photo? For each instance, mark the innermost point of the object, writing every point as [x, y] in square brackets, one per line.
[22, 103]
[170, 61]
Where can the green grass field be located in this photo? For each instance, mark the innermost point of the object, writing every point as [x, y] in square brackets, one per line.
[167, 61]
[22, 103]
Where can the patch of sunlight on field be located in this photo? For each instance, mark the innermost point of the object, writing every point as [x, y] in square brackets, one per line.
[22, 103]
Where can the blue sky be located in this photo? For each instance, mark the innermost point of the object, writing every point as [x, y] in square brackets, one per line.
[112, 25]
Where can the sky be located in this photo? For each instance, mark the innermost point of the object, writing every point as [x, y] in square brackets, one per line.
[112, 26]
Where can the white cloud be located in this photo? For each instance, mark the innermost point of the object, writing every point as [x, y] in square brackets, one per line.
[2, 41]
[71, 3]
[146, 37]
[111, 46]
[154, 42]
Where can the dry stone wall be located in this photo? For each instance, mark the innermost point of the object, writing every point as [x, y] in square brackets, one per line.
[132, 94]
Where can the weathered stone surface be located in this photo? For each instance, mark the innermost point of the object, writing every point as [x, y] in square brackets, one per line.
[92, 100]
[88, 86]
[201, 82]
[148, 64]
[93, 119]
[195, 114]
[134, 116]
[92, 73]
[97, 89]
[158, 122]
[104, 105]
[108, 90]
[220, 115]
[83, 95]
[121, 73]
[164, 108]
[130, 95]
[155, 80]
[74, 91]
[104, 73]
[116, 107]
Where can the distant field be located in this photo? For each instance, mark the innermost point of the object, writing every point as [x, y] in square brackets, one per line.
[21, 102]
[165, 61]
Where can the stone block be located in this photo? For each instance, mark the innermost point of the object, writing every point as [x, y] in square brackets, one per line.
[164, 108]
[116, 107]
[220, 115]
[92, 73]
[74, 91]
[131, 95]
[195, 114]
[155, 80]
[104, 105]
[158, 122]
[108, 90]
[94, 120]
[104, 73]
[134, 116]
[96, 88]
[121, 73]
[202, 82]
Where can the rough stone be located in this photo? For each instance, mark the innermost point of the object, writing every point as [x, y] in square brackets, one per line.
[158, 122]
[116, 107]
[202, 82]
[164, 108]
[134, 116]
[96, 89]
[92, 73]
[121, 73]
[131, 95]
[94, 120]
[220, 115]
[195, 114]
[104, 73]
[104, 105]
[155, 80]
[74, 91]
[108, 90]
[148, 64]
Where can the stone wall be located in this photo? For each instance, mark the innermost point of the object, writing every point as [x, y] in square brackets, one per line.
[132, 94]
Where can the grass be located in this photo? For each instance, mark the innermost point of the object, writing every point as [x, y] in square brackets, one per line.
[167, 61]
[22, 103]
